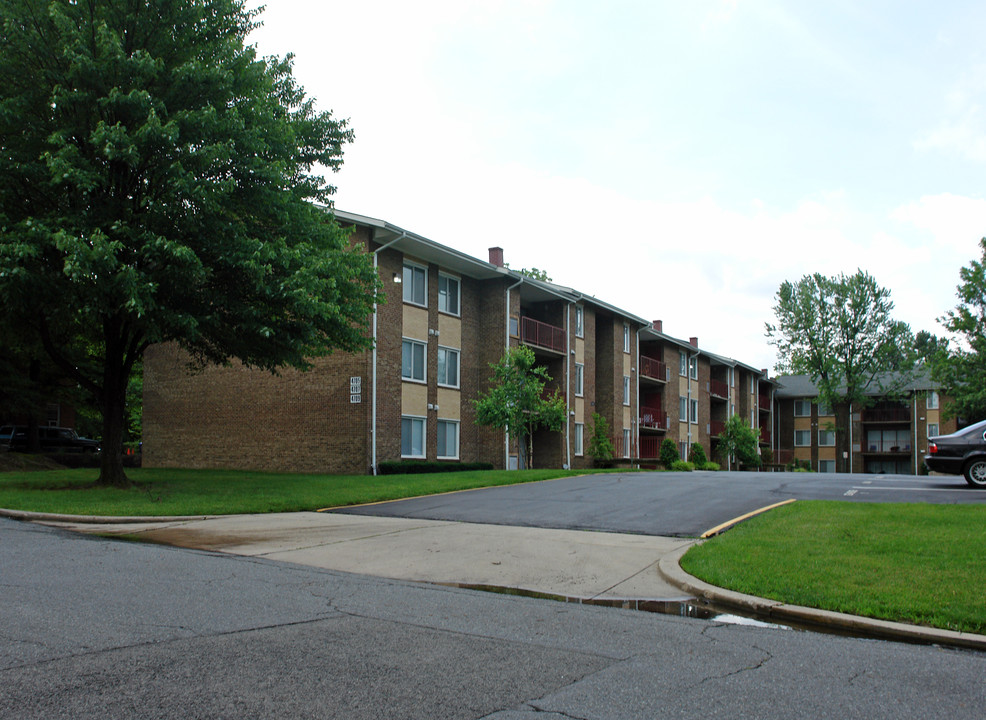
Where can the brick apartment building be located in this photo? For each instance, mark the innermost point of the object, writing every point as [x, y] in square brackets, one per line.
[890, 435]
[446, 318]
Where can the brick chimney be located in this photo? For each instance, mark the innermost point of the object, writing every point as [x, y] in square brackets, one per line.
[658, 325]
[693, 341]
[496, 256]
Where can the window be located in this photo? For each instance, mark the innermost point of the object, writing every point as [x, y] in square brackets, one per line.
[683, 364]
[826, 466]
[693, 367]
[802, 408]
[579, 321]
[626, 443]
[932, 400]
[626, 338]
[579, 433]
[693, 411]
[932, 429]
[413, 360]
[626, 389]
[448, 367]
[448, 294]
[682, 409]
[448, 439]
[579, 379]
[802, 438]
[514, 326]
[683, 450]
[415, 284]
[732, 377]
[412, 437]
[826, 438]
[824, 410]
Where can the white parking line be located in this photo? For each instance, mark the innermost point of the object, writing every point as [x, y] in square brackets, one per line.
[910, 489]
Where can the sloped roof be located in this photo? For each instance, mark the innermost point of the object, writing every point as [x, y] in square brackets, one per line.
[801, 386]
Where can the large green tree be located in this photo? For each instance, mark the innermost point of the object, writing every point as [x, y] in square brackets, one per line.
[840, 332]
[517, 401]
[960, 367]
[159, 182]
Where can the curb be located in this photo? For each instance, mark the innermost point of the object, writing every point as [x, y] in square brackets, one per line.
[97, 519]
[779, 612]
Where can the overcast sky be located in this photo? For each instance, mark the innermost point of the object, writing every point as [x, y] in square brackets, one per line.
[676, 159]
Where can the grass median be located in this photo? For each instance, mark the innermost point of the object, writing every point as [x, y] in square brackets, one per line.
[919, 564]
[158, 492]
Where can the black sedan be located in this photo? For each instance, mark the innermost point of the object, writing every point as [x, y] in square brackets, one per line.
[961, 453]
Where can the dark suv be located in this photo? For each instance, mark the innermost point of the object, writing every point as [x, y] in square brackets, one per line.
[52, 439]
[961, 453]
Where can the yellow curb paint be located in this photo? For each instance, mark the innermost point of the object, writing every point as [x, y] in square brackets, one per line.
[726, 525]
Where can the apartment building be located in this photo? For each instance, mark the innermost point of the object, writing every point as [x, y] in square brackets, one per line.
[446, 318]
[889, 435]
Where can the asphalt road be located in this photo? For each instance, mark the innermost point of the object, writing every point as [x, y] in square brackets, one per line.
[665, 504]
[96, 628]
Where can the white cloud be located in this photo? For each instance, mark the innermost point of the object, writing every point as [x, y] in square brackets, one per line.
[962, 130]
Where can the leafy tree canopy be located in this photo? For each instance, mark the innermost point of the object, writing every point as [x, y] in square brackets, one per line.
[961, 367]
[516, 400]
[739, 440]
[157, 182]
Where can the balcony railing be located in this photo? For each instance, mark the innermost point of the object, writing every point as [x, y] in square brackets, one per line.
[887, 446]
[718, 388]
[764, 402]
[650, 447]
[534, 332]
[886, 415]
[653, 368]
[764, 436]
[716, 428]
[653, 418]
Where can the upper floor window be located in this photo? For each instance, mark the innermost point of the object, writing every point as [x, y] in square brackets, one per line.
[626, 389]
[802, 408]
[448, 294]
[415, 284]
[732, 377]
[826, 438]
[448, 367]
[413, 360]
[693, 367]
[693, 411]
[824, 410]
[932, 429]
[932, 400]
[579, 321]
[802, 438]
[626, 338]
[682, 408]
[579, 379]
[683, 364]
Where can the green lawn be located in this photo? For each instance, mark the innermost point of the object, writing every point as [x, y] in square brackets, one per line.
[920, 564]
[224, 492]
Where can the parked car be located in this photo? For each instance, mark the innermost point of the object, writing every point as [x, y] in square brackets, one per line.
[961, 453]
[51, 439]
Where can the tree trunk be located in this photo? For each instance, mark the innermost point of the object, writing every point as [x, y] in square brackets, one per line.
[113, 405]
[843, 422]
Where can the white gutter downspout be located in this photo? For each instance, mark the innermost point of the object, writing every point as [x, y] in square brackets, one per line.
[568, 387]
[506, 347]
[688, 410]
[373, 410]
[914, 444]
[635, 418]
[850, 438]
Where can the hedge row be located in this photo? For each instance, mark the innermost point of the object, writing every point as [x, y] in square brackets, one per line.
[421, 466]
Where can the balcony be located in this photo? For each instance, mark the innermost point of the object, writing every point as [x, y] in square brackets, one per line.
[716, 428]
[653, 369]
[650, 447]
[542, 335]
[764, 436]
[886, 415]
[763, 401]
[887, 447]
[653, 419]
[719, 389]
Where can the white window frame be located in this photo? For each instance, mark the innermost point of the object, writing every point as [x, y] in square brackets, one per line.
[626, 443]
[937, 429]
[414, 419]
[446, 278]
[800, 406]
[424, 360]
[579, 321]
[826, 466]
[579, 438]
[626, 390]
[682, 364]
[822, 432]
[802, 434]
[626, 338]
[579, 379]
[682, 409]
[443, 425]
[932, 400]
[693, 411]
[693, 367]
[824, 410]
[407, 280]
[443, 381]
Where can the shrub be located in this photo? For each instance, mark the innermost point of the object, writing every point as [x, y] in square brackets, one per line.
[712, 466]
[668, 454]
[410, 467]
[600, 448]
[697, 456]
[682, 466]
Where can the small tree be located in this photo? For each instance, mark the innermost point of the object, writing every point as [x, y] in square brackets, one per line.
[739, 440]
[600, 445]
[697, 455]
[668, 453]
[516, 400]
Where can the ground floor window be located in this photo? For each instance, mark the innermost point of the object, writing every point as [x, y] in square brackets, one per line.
[826, 466]
[448, 439]
[412, 437]
[626, 443]
[579, 432]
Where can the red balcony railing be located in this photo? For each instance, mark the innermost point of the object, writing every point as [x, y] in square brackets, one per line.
[764, 402]
[719, 388]
[765, 436]
[716, 428]
[652, 368]
[886, 415]
[650, 446]
[535, 332]
[653, 418]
